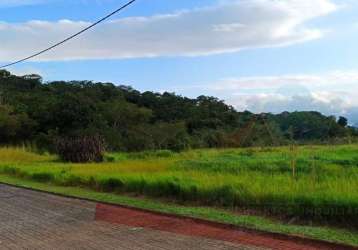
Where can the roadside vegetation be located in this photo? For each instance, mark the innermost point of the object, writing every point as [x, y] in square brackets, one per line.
[308, 183]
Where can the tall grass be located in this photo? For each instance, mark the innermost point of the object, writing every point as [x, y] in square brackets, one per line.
[21, 155]
[325, 185]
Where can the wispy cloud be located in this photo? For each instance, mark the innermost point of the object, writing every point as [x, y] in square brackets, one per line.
[229, 26]
[327, 102]
[333, 93]
[333, 79]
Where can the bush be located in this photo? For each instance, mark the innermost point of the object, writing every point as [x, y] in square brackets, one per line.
[43, 177]
[110, 185]
[81, 149]
[151, 154]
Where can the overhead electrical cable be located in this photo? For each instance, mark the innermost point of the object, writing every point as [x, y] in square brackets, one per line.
[71, 37]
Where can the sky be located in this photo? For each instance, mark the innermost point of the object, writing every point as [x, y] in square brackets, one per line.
[257, 55]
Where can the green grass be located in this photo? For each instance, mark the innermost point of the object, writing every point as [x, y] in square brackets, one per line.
[218, 215]
[323, 189]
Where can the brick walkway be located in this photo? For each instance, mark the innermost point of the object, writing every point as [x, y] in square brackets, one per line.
[34, 220]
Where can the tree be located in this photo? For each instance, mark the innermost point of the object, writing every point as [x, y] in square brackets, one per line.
[14, 127]
[4, 74]
[171, 136]
[130, 120]
[9, 124]
[342, 121]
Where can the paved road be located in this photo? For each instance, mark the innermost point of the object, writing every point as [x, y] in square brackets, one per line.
[34, 220]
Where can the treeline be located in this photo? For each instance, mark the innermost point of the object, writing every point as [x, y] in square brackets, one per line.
[128, 120]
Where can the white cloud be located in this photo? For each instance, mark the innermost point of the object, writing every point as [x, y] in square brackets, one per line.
[226, 27]
[336, 79]
[327, 102]
[332, 93]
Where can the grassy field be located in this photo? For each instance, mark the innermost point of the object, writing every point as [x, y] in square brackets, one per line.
[318, 183]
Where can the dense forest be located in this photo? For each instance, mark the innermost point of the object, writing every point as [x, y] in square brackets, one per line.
[36, 113]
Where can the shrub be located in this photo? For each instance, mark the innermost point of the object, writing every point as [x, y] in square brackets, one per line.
[81, 149]
[164, 153]
[110, 184]
[151, 154]
[43, 177]
[10, 170]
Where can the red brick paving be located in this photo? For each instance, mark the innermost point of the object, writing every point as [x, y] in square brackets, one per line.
[193, 227]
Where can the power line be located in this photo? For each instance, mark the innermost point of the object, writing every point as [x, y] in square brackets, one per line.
[71, 37]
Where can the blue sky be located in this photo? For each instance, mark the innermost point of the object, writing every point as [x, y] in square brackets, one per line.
[261, 55]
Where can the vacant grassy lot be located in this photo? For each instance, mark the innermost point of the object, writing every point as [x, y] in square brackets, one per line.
[310, 182]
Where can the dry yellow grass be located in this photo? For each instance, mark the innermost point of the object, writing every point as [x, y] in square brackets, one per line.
[127, 166]
[21, 155]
